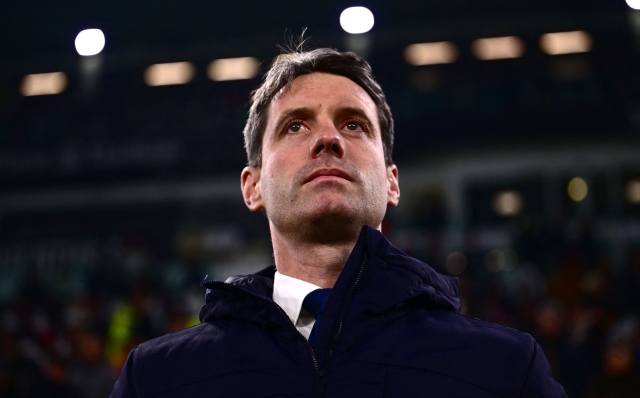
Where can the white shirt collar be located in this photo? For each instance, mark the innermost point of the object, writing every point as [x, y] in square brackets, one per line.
[289, 293]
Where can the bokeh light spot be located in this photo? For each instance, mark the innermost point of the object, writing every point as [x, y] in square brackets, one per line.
[577, 189]
[494, 260]
[511, 259]
[356, 20]
[90, 42]
[508, 203]
[566, 42]
[632, 192]
[498, 48]
[43, 84]
[443, 52]
[169, 74]
[233, 69]
[635, 4]
[456, 263]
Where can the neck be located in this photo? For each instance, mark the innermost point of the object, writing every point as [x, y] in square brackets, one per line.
[313, 262]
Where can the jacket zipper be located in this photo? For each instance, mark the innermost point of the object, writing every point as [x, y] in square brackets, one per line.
[321, 373]
[343, 310]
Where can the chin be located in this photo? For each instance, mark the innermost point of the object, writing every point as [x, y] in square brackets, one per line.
[333, 230]
[331, 208]
[341, 220]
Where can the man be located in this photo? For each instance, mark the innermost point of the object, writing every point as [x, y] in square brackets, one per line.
[319, 138]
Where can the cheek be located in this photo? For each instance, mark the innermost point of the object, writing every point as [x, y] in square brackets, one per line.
[374, 163]
[274, 176]
[375, 177]
[285, 160]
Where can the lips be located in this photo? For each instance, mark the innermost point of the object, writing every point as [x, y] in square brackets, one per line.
[328, 173]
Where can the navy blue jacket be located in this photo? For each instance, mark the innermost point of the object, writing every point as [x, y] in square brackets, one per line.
[391, 328]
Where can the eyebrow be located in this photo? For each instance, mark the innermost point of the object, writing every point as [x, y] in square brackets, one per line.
[302, 112]
[348, 110]
[291, 113]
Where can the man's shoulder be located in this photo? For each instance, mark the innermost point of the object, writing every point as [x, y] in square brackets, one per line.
[197, 354]
[471, 332]
[479, 326]
[452, 348]
[445, 328]
[447, 341]
[203, 339]
[169, 341]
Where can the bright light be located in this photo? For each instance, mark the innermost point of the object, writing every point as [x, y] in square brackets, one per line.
[578, 41]
[90, 42]
[456, 263]
[635, 4]
[356, 20]
[168, 74]
[43, 84]
[577, 189]
[443, 52]
[632, 192]
[233, 69]
[508, 203]
[498, 48]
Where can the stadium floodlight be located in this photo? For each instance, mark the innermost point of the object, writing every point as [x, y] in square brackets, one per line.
[356, 20]
[90, 42]
[443, 52]
[233, 69]
[43, 84]
[635, 4]
[169, 74]
[577, 41]
[498, 48]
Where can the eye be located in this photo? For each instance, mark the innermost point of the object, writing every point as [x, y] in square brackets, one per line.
[354, 125]
[295, 126]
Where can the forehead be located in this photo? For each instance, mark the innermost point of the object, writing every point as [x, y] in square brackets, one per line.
[322, 91]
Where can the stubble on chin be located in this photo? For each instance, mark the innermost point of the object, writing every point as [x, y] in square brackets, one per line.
[332, 217]
[333, 220]
[324, 218]
[330, 213]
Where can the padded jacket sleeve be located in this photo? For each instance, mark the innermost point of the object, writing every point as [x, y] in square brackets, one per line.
[540, 382]
[124, 385]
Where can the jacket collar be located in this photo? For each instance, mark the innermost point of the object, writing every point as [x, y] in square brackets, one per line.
[403, 278]
[377, 278]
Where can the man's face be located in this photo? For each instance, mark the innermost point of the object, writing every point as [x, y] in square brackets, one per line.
[322, 160]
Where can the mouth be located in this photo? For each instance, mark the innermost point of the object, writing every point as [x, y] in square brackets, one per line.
[328, 174]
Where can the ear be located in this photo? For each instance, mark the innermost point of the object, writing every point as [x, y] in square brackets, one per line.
[250, 185]
[393, 194]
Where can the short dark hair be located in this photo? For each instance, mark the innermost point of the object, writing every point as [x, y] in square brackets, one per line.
[287, 67]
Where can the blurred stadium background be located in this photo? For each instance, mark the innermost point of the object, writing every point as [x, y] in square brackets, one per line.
[517, 139]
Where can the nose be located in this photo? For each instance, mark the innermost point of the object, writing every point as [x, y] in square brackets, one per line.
[327, 141]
